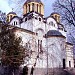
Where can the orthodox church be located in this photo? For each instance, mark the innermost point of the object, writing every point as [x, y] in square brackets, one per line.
[44, 37]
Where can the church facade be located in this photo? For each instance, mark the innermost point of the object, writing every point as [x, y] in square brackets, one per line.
[45, 38]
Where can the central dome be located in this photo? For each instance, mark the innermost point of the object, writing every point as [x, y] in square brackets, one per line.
[33, 5]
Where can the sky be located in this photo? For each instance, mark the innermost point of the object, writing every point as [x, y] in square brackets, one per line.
[6, 6]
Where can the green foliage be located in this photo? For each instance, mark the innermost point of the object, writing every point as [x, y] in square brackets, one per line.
[13, 52]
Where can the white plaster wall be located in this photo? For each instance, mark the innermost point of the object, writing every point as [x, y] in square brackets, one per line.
[63, 33]
[27, 25]
[41, 62]
[56, 50]
[69, 55]
[17, 20]
[38, 24]
[50, 27]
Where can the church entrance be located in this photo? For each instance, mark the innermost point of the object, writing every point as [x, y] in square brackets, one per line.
[25, 70]
[64, 64]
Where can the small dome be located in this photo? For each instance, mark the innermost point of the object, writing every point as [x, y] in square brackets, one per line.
[12, 13]
[33, 1]
[53, 33]
[54, 13]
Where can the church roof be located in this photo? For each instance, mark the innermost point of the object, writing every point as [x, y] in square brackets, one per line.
[53, 33]
[33, 1]
[20, 19]
[12, 13]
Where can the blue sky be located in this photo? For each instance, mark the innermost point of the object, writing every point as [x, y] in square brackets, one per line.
[6, 7]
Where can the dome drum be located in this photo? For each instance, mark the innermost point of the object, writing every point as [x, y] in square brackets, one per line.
[33, 5]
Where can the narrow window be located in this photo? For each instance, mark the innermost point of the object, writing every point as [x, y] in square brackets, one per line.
[56, 17]
[25, 70]
[35, 17]
[74, 63]
[38, 46]
[10, 17]
[26, 8]
[51, 23]
[63, 63]
[40, 9]
[14, 23]
[69, 63]
[39, 19]
[29, 7]
[25, 19]
[41, 51]
[37, 7]
[32, 6]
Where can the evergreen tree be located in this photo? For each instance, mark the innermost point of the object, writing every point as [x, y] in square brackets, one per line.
[13, 52]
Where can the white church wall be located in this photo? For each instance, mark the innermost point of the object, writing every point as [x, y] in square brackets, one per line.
[38, 24]
[27, 25]
[56, 52]
[63, 33]
[15, 20]
[52, 24]
[69, 56]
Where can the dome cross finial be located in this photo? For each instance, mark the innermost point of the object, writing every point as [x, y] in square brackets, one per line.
[12, 9]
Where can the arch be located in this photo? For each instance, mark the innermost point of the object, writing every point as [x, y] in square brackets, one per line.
[40, 29]
[40, 32]
[26, 8]
[29, 7]
[32, 6]
[40, 9]
[25, 70]
[37, 7]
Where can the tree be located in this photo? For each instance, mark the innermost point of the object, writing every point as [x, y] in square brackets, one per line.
[66, 8]
[2, 17]
[13, 53]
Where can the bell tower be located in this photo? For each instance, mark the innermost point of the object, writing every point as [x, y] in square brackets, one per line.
[33, 5]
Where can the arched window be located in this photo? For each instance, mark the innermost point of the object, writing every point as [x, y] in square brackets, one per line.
[51, 23]
[69, 63]
[10, 17]
[40, 9]
[37, 7]
[39, 19]
[29, 7]
[16, 23]
[56, 17]
[7, 18]
[26, 8]
[25, 19]
[32, 6]
[64, 64]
